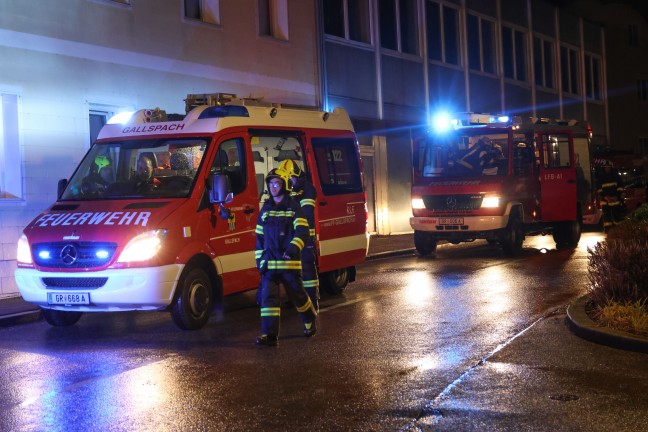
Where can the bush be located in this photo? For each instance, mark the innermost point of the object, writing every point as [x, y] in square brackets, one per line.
[640, 214]
[617, 267]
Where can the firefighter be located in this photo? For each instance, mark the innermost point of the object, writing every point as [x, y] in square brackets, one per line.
[305, 194]
[610, 192]
[480, 157]
[281, 233]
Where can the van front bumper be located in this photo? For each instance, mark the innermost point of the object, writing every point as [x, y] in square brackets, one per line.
[148, 288]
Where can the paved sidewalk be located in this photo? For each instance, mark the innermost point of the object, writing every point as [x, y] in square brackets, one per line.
[15, 310]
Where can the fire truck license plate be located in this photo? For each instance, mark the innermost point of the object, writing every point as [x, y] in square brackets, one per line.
[451, 221]
[61, 298]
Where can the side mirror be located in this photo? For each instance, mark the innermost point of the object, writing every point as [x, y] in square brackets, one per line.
[221, 189]
[62, 183]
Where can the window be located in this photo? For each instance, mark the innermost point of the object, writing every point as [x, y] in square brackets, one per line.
[633, 35]
[642, 90]
[481, 44]
[514, 53]
[10, 163]
[543, 62]
[337, 165]
[592, 77]
[348, 19]
[230, 160]
[442, 33]
[643, 145]
[556, 151]
[273, 18]
[97, 120]
[207, 11]
[569, 70]
[399, 25]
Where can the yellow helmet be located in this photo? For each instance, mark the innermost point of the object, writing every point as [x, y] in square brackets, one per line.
[281, 175]
[291, 167]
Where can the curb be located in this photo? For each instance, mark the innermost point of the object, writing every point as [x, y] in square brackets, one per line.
[582, 325]
[20, 318]
[390, 253]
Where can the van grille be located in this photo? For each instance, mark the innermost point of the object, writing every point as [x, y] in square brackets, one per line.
[68, 282]
[73, 255]
[450, 203]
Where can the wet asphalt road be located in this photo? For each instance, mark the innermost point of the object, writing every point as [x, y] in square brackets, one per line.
[469, 340]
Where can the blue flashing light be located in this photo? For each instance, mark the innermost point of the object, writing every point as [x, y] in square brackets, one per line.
[224, 111]
[102, 254]
[503, 119]
[44, 254]
[442, 122]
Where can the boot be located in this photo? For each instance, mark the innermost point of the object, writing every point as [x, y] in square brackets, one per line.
[310, 329]
[267, 340]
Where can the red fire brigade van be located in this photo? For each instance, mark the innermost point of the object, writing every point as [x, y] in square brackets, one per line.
[162, 210]
[487, 177]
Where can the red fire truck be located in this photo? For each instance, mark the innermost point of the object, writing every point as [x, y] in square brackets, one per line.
[479, 176]
[161, 212]
[632, 170]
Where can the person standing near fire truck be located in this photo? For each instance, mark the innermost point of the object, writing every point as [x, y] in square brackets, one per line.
[281, 233]
[305, 194]
[610, 192]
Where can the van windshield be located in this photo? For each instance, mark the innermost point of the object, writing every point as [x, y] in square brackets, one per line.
[462, 155]
[158, 168]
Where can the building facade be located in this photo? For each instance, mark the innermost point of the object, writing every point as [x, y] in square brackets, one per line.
[393, 63]
[626, 28]
[69, 65]
[390, 63]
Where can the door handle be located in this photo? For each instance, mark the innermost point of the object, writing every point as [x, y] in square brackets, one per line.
[248, 210]
[323, 203]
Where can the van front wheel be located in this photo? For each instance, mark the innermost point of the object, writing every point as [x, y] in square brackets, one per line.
[60, 318]
[193, 301]
[424, 243]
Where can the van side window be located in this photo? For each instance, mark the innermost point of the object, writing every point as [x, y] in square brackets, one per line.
[230, 160]
[337, 165]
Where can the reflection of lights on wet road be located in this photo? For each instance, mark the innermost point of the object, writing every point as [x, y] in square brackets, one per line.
[544, 243]
[420, 287]
[589, 241]
[444, 359]
[494, 288]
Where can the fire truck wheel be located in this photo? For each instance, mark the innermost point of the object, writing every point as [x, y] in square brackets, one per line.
[61, 318]
[567, 234]
[192, 305]
[334, 282]
[425, 244]
[513, 237]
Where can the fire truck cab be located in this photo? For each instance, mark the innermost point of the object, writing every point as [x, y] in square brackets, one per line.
[161, 212]
[479, 176]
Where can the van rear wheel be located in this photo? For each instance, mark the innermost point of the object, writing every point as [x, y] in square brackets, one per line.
[567, 234]
[60, 318]
[193, 301]
[336, 281]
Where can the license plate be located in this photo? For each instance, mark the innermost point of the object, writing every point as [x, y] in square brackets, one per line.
[61, 298]
[451, 221]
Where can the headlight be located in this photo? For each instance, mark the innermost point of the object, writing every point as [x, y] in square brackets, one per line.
[417, 203]
[143, 247]
[490, 202]
[23, 255]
